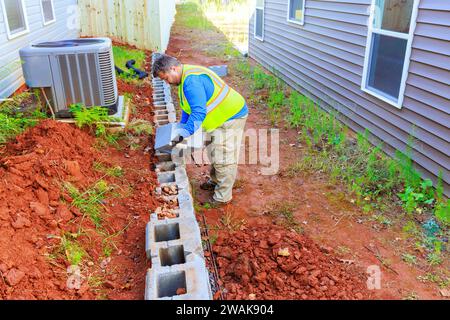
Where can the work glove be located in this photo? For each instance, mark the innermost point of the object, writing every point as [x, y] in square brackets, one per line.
[176, 140]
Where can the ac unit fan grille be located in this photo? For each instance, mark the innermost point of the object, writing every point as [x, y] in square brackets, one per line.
[107, 78]
[80, 79]
[87, 80]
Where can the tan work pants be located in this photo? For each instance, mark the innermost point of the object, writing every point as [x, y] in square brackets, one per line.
[224, 156]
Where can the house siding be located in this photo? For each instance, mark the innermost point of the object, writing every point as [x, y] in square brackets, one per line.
[11, 77]
[324, 59]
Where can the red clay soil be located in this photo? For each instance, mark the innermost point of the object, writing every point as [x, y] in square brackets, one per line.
[36, 211]
[268, 262]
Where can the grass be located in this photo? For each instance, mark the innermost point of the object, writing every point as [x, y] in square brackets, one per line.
[139, 127]
[123, 54]
[411, 296]
[73, 252]
[283, 213]
[343, 250]
[89, 202]
[115, 171]
[409, 258]
[443, 281]
[21, 112]
[231, 223]
[92, 117]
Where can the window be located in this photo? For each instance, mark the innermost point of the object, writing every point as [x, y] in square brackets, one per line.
[48, 11]
[259, 20]
[296, 11]
[15, 16]
[391, 29]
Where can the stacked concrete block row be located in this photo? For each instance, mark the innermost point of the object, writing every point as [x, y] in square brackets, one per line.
[174, 246]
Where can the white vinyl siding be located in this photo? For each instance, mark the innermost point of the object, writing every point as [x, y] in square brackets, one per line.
[11, 77]
[390, 34]
[296, 11]
[48, 12]
[259, 20]
[15, 17]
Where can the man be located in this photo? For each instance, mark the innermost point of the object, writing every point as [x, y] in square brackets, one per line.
[207, 101]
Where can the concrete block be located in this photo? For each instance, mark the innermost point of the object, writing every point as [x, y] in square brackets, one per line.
[165, 166]
[172, 117]
[174, 252]
[160, 108]
[161, 117]
[157, 94]
[170, 107]
[159, 103]
[165, 232]
[163, 157]
[162, 283]
[185, 204]
[161, 113]
[221, 70]
[163, 138]
[181, 178]
[166, 177]
[167, 131]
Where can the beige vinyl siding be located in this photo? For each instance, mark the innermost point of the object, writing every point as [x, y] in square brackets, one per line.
[324, 59]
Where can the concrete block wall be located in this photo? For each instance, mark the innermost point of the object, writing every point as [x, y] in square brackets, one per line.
[174, 246]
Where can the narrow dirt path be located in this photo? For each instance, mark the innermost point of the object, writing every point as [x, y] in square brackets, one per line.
[323, 211]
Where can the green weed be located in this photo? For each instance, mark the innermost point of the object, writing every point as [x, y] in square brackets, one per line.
[74, 253]
[115, 171]
[18, 114]
[409, 258]
[90, 201]
[93, 117]
[283, 213]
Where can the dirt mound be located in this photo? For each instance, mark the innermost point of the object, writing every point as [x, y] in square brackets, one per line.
[36, 212]
[268, 262]
[31, 170]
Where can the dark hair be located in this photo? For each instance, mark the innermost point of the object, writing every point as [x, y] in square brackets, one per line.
[163, 64]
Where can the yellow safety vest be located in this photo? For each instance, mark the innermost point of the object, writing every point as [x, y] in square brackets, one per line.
[224, 103]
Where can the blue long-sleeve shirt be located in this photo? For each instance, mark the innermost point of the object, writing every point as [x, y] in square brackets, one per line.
[198, 89]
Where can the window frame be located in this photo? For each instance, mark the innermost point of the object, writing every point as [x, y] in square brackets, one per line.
[43, 14]
[25, 19]
[302, 21]
[262, 25]
[369, 46]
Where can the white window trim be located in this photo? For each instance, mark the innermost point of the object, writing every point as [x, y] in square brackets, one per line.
[262, 26]
[409, 37]
[43, 15]
[302, 21]
[25, 18]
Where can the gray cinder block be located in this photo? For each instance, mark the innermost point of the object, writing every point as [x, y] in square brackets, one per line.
[165, 166]
[181, 178]
[185, 204]
[162, 283]
[221, 70]
[170, 231]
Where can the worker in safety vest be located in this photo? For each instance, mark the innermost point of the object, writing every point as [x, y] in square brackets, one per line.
[207, 101]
